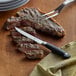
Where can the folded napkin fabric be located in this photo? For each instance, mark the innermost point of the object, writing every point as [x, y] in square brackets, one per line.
[53, 65]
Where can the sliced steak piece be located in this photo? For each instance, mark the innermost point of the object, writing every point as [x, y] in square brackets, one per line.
[26, 29]
[29, 30]
[33, 17]
[34, 54]
[11, 23]
[18, 38]
[29, 46]
[32, 12]
[32, 51]
[21, 39]
[15, 34]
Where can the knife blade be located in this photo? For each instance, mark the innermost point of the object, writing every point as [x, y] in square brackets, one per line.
[53, 48]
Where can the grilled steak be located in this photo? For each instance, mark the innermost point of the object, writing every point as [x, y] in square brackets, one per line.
[11, 23]
[30, 19]
[33, 17]
[32, 51]
[18, 38]
[29, 46]
[33, 54]
[26, 45]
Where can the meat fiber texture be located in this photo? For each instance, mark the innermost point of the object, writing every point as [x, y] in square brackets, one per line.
[33, 17]
[27, 46]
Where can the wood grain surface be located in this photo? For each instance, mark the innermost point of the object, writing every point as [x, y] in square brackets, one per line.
[15, 64]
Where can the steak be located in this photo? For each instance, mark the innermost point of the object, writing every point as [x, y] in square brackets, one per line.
[30, 20]
[32, 51]
[32, 17]
[18, 38]
[27, 29]
[11, 23]
[33, 54]
[26, 45]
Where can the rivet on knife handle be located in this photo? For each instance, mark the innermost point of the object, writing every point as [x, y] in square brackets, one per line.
[57, 51]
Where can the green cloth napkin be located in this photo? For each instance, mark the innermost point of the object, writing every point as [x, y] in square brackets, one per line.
[53, 65]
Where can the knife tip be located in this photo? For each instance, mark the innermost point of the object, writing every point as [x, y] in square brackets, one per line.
[15, 27]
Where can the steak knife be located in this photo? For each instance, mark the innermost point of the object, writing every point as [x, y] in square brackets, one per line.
[53, 48]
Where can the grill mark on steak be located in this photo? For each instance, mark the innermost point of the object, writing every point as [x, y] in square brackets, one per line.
[11, 23]
[22, 40]
[29, 20]
[18, 38]
[30, 30]
[35, 20]
[26, 29]
[32, 17]
[32, 53]
[33, 12]
[29, 46]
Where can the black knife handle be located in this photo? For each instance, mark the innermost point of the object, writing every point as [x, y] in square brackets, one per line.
[60, 8]
[57, 50]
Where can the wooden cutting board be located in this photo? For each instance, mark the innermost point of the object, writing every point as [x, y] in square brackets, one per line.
[13, 63]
